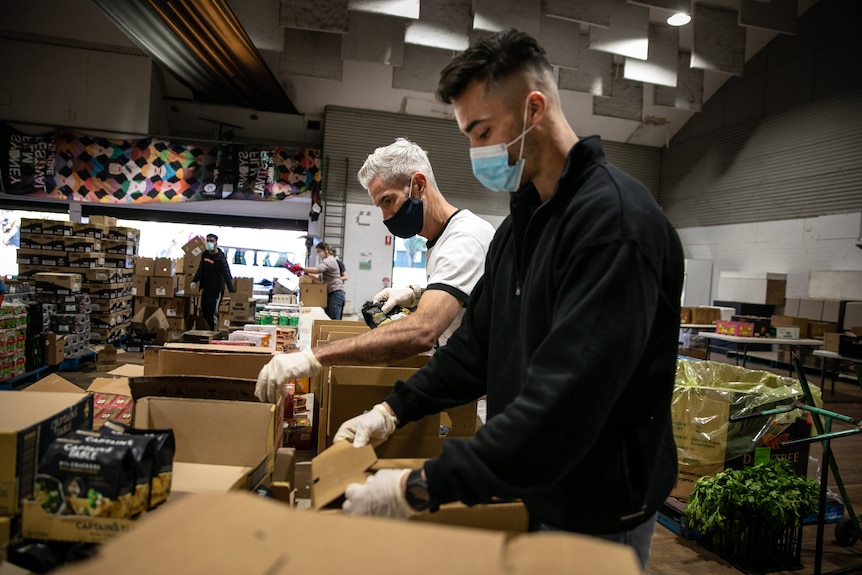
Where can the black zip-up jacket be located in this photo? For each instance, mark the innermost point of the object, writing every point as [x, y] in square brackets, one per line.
[214, 272]
[572, 334]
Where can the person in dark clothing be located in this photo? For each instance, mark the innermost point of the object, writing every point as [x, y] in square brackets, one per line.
[571, 333]
[212, 276]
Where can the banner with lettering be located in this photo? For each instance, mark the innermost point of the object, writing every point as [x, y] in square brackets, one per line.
[81, 167]
[26, 162]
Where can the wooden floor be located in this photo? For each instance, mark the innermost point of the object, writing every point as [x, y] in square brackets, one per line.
[675, 555]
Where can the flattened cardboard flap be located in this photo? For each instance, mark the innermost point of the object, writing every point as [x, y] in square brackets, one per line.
[336, 468]
[54, 383]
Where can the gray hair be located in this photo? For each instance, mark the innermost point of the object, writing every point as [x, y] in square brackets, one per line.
[395, 164]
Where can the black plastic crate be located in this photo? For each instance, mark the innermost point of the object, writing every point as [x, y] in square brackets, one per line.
[755, 550]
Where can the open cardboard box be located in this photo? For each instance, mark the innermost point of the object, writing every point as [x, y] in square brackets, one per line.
[342, 464]
[222, 444]
[29, 422]
[242, 533]
[351, 389]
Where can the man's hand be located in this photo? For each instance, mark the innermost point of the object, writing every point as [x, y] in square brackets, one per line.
[390, 297]
[281, 369]
[372, 427]
[381, 495]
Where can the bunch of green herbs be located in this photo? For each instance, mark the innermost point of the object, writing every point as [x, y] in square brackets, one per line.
[772, 492]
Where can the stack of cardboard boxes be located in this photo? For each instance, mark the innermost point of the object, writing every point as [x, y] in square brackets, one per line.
[101, 253]
[160, 311]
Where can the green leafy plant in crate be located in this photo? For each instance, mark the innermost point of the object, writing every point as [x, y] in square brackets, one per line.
[753, 516]
[772, 491]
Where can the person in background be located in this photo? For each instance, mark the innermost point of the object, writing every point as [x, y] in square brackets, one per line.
[401, 183]
[341, 267]
[212, 276]
[571, 333]
[328, 271]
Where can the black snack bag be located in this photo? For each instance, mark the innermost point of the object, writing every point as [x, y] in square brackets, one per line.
[79, 478]
[163, 458]
[142, 449]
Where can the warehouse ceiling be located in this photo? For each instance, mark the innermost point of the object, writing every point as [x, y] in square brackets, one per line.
[264, 70]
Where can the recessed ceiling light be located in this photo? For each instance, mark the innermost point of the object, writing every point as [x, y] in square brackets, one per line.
[679, 19]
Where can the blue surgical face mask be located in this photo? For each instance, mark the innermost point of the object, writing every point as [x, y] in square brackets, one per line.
[491, 163]
[408, 220]
[210, 246]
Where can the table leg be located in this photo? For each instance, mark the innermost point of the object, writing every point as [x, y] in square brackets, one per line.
[708, 343]
[744, 355]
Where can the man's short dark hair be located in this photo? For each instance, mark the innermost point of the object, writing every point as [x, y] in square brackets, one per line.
[492, 59]
[212, 237]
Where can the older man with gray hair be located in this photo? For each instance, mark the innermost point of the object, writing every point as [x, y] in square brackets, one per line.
[400, 182]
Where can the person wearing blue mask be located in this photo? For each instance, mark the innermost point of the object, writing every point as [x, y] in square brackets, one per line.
[212, 275]
[401, 183]
[571, 333]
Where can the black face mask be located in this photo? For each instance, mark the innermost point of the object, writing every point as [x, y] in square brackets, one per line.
[408, 220]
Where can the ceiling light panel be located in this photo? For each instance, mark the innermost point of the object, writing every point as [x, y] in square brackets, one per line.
[626, 101]
[672, 5]
[628, 33]
[719, 43]
[593, 75]
[442, 24]
[560, 39]
[585, 11]
[775, 15]
[311, 53]
[660, 67]
[256, 19]
[421, 68]
[398, 8]
[374, 38]
[496, 15]
[688, 94]
[321, 15]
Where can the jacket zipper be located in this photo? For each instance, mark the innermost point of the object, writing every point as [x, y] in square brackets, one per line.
[519, 263]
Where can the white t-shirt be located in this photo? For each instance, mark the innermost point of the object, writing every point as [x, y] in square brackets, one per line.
[456, 260]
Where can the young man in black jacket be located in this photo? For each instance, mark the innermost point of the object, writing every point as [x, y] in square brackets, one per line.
[571, 333]
[212, 276]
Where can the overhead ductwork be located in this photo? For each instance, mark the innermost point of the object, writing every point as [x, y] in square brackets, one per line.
[203, 45]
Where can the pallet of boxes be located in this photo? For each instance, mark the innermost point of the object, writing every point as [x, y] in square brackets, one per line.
[94, 258]
[161, 311]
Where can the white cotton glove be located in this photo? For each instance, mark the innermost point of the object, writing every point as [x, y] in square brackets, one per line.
[405, 297]
[381, 495]
[280, 370]
[374, 427]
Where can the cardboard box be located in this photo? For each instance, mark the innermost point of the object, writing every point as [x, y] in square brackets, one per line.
[214, 360]
[140, 285]
[106, 358]
[786, 320]
[831, 341]
[242, 309]
[192, 536]
[737, 328]
[55, 346]
[312, 293]
[351, 390]
[195, 247]
[149, 319]
[164, 267]
[705, 315]
[787, 331]
[106, 221]
[818, 329]
[212, 456]
[58, 283]
[243, 288]
[112, 401]
[29, 422]
[144, 266]
[163, 287]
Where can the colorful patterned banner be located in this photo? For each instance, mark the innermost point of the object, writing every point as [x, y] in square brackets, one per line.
[96, 169]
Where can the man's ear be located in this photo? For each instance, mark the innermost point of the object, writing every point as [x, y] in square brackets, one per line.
[419, 184]
[538, 106]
